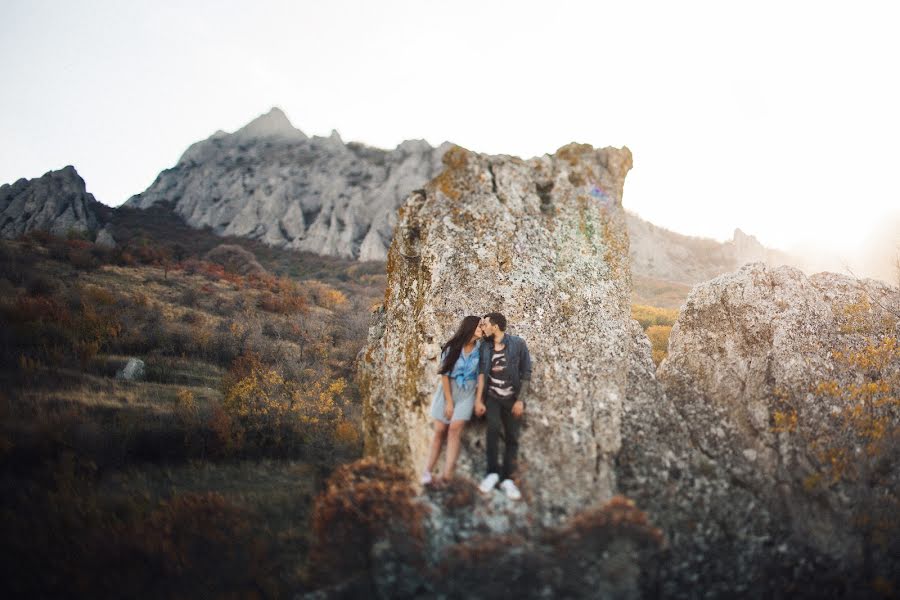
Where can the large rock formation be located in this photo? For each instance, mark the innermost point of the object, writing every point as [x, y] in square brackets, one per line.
[760, 341]
[749, 451]
[269, 181]
[766, 445]
[57, 202]
[543, 241]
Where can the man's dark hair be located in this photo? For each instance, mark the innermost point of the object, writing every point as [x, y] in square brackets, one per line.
[497, 319]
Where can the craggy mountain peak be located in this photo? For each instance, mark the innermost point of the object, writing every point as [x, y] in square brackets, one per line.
[57, 201]
[269, 181]
[272, 125]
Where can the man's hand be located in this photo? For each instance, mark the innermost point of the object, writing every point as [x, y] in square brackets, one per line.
[448, 410]
[480, 408]
[518, 408]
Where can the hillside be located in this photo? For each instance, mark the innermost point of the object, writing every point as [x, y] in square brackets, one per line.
[246, 403]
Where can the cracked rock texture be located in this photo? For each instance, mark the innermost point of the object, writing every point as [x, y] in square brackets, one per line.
[701, 452]
[544, 242]
[56, 202]
[269, 181]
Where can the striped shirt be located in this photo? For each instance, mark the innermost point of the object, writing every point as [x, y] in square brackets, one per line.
[499, 382]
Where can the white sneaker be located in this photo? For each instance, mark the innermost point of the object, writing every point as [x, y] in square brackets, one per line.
[510, 489]
[426, 478]
[488, 483]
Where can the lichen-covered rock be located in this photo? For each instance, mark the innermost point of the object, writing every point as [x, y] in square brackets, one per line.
[269, 181]
[544, 242]
[765, 371]
[57, 202]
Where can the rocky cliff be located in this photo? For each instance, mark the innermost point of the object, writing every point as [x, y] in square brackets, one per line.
[764, 365]
[662, 254]
[766, 446]
[543, 241]
[269, 181]
[56, 202]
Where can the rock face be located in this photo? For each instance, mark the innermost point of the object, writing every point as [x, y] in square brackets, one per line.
[662, 254]
[726, 450]
[56, 202]
[765, 446]
[269, 181]
[544, 242]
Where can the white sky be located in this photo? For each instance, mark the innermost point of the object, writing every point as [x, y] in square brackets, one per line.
[782, 118]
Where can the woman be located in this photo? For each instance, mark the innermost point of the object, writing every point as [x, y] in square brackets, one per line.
[454, 399]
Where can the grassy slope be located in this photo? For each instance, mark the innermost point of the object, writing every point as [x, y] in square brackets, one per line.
[83, 452]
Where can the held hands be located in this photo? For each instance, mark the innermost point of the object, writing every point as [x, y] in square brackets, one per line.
[518, 408]
[480, 408]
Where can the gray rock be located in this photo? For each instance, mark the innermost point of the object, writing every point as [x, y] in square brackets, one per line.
[56, 202]
[269, 181]
[132, 371]
[105, 238]
[543, 241]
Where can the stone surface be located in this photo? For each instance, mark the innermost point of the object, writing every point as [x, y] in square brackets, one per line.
[702, 451]
[544, 242]
[105, 238]
[57, 202]
[132, 371]
[269, 181]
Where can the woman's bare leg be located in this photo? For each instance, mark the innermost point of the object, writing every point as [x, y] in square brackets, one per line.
[440, 430]
[453, 441]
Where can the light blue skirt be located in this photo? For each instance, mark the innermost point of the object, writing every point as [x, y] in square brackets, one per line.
[463, 401]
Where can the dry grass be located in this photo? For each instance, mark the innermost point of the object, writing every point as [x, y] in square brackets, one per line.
[150, 466]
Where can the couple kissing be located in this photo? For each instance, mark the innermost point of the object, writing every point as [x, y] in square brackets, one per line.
[483, 370]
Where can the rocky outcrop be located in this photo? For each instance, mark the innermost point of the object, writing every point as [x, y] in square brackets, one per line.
[269, 181]
[374, 537]
[57, 202]
[732, 451]
[765, 446]
[662, 254]
[544, 242]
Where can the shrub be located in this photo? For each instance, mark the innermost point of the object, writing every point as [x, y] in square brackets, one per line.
[649, 316]
[659, 339]
[364, 502]
[270, 411]
[235, 259]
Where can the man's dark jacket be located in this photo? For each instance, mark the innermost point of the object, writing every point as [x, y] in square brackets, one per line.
[518, 361]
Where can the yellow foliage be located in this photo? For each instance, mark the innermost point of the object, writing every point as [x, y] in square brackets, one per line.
[269, 407]
[659, 338]
[785, 421]
[346, 433]
[649, 316]
[857, 316]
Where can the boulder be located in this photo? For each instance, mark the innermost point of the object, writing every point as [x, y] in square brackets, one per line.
[132, 371]
[757, 455]
[544, 242]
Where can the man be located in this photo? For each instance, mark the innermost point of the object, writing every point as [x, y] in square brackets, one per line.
[503, 378]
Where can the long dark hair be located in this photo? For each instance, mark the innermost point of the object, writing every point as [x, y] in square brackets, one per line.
[455, 345]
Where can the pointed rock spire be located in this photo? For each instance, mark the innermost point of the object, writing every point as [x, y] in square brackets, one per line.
[273, 124]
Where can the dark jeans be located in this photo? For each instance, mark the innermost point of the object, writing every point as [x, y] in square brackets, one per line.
[499, 412]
